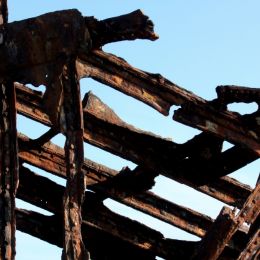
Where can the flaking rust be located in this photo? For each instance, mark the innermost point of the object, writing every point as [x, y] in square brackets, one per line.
[71, 120]
[8, 156]
[57, 50]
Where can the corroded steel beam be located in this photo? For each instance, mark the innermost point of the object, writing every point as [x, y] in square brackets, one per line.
[104, 129]
[8, 170]
[152, 89]
[225, 189]
[41, 44]
[229, 94]
[213, 244]
[8, 154]
[105, 181]
[71, 125]
[96, 215]
[252, 250]
[101, 245]
[146, 87]
[224, 124]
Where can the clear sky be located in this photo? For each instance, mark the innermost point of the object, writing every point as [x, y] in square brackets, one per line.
[202, 44]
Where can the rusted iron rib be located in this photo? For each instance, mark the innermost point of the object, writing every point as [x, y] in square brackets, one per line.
[252, 250]
[8, 154]
[99, 178]
[224, 124]
[42, 43]
[225, 189]
[152, 89]
[228, 223]
[105, 130]
[108, 69]
[229, 94]
[8, 170]
[96, 215]
[101, 245]
[71, 125]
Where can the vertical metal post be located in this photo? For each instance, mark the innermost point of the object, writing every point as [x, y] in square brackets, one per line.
[8, 156]
[71, 122]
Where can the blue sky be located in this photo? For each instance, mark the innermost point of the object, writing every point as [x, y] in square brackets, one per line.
[202, 44]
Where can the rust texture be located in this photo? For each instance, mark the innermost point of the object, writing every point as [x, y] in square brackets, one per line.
[57, 50]
[214, 242]
[224, 189]
[71, 124]
[8, 155]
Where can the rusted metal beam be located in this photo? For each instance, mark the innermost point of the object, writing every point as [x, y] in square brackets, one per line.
[224, 124]
[104, 181]
[8, 170]
[8, 154]
[97, 216]
[71, 125]
[107, 69]
[252, 250]
[152, 89]
[228, 223]
[214, 242]
[229, 94]
[105, 130]
[101, 245]
[225, 189]
[42, 44]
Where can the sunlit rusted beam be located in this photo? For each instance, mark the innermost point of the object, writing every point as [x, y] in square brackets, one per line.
[224, 124]
[71, 125]
[8, 153]
[107, 69]
[215, 240]
[252, 250]
[152, 89]
[97, 216]
[225, 189]
[104, 129]
[104, 180]
[213, 244]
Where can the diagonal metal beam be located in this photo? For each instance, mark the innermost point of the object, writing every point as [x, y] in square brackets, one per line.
[228, 223]
[95, 214]
[225, 189]
[152, 89]
[104, 181]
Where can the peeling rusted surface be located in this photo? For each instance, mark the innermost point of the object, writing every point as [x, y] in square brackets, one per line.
[152, 89]
[8, 154]
[213, 244]
[225, 189]
[71, 124]
[224, 124]
[8, 170]
[56, 50]
[103, 180]
[252, 250]
[97, 216]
